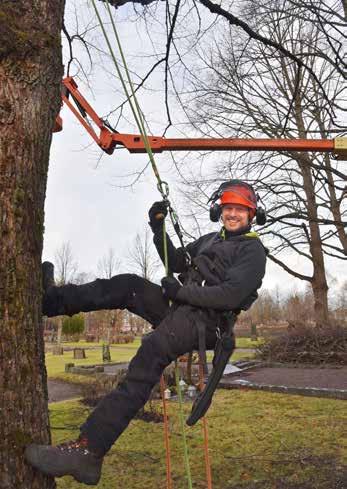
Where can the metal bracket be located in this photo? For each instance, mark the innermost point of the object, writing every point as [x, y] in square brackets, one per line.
[340, 147]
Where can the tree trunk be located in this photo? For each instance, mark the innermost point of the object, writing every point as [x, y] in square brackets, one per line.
[30, 74]
[319, 282]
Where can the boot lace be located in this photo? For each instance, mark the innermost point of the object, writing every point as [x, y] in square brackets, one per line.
[79, 445]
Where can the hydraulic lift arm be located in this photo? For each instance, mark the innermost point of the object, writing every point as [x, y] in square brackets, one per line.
[108, 139]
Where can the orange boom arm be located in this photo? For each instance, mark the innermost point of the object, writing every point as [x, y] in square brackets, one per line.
[108, 139]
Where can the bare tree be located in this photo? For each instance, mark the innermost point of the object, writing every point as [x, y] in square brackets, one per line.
[65, 264]
[108, 265]
[328, 15]
[112, 320]
[141, 257]
[143, 261]
[252, 91]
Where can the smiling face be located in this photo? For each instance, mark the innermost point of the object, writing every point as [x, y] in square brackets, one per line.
[235, 216]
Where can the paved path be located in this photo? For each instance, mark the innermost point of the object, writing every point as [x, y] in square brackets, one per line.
[321, 382]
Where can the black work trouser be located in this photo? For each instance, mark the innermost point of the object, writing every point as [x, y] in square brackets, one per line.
[175, 333]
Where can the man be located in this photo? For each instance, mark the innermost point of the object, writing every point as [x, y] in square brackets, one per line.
[227, 269]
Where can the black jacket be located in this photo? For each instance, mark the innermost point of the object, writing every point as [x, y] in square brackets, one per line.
[226, 273]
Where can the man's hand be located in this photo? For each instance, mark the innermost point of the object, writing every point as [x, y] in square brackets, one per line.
[170, 287]
[157, 214]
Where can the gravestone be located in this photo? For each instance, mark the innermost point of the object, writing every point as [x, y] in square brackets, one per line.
[106, 353]
[57, 350]
[68, 367]
[254, 332]
[79, 353]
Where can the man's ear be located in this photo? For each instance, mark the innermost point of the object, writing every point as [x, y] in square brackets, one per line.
[221, 217]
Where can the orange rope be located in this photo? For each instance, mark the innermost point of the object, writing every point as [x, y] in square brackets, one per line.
[166, 435]
[205, 432]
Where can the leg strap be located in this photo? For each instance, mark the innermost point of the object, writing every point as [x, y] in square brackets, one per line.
[224, 348]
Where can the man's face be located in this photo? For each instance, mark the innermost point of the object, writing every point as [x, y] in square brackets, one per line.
[235, 216]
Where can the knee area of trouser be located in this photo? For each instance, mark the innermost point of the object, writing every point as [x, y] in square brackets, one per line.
[154, 344]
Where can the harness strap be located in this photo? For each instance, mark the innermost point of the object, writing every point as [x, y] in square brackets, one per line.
[202, 346]
[223, 351]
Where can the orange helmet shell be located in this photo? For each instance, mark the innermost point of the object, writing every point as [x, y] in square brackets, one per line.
[240, 194]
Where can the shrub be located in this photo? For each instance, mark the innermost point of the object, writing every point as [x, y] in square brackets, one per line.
[73, 326]
[306, 344]
[122, 339]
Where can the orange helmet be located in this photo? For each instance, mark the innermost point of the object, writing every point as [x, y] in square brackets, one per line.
[240, 193]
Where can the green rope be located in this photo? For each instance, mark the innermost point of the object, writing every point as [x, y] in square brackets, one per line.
[132, 99]
[139, 111]
[183, 428]
[141, 122]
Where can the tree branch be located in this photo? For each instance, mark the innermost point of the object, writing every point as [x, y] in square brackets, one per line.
[289, 270]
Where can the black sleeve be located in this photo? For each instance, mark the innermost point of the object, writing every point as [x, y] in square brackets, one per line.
[176, 256]
[241, 281]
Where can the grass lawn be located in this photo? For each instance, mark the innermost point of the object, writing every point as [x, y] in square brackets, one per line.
[135, 344]
[119, 353]
[257, 440]
[242, 342]
[56, 363]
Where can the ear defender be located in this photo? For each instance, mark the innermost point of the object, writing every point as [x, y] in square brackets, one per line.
[260, 216]
[215, 212]
[247, 195]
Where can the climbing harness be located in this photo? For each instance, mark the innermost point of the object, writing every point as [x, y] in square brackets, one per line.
[223, 350]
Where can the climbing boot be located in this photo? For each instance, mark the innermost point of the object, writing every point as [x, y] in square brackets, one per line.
[71, 458]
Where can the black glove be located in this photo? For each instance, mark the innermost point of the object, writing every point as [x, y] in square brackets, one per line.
[157, 214]
[170, 287]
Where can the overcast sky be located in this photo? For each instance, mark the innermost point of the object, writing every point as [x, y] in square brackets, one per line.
[85, 205]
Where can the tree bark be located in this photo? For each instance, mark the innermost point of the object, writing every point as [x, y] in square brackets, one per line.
[318, 282]
[30, 75]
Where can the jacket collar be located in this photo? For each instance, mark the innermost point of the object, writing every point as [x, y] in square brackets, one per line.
[224, 234]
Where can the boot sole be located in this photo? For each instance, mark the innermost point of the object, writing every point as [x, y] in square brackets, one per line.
[89, 481]
[83, 477]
